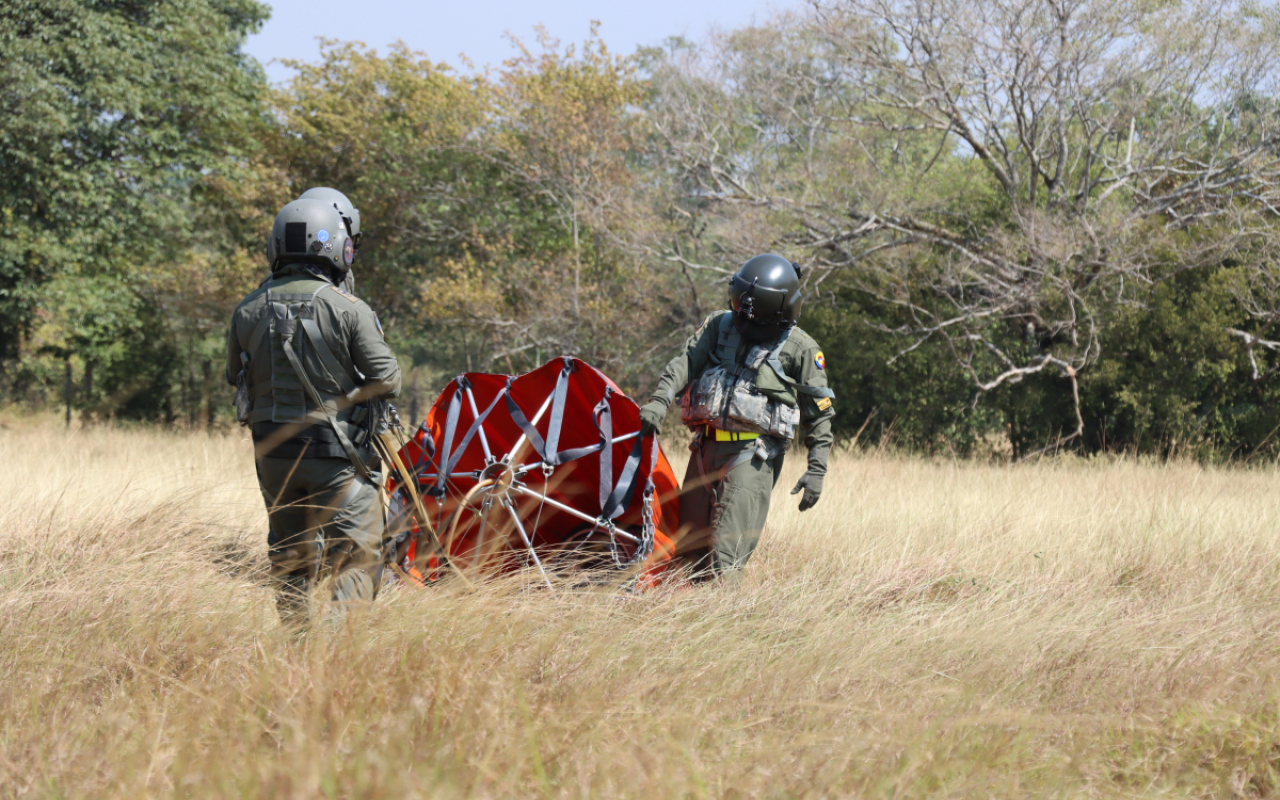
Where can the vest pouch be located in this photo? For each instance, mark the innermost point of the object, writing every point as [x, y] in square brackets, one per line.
[704, 402]
[748, 410]
[784, 421]
[774, 388]
[753, 411]
[359, 414]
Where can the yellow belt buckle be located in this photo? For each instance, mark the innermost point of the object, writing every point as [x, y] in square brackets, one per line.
[732, 436]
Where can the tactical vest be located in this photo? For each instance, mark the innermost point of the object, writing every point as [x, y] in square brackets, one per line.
[287, 318]
[752, 396]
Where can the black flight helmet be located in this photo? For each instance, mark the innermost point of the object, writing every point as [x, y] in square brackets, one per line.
[765, 297]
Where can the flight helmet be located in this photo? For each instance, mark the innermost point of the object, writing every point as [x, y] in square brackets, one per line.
[350, 214]
[765, 297]
[310, 232]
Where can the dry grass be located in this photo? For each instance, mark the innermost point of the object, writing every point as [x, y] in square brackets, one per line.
[938, 629]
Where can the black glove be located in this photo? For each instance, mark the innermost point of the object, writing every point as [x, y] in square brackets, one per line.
[652, 414]
[811, 483]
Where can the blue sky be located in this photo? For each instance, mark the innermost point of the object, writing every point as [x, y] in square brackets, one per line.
[478, 27]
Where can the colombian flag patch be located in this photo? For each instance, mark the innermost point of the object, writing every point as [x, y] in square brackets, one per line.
[820, 361]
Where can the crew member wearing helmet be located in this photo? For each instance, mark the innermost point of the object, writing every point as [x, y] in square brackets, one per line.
[748, 379]
[310, 363]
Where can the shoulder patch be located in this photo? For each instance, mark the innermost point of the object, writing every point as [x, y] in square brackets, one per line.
[824, 403]
[819, 360]
[345, 293]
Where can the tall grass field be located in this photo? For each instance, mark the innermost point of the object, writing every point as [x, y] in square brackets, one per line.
[930, 629]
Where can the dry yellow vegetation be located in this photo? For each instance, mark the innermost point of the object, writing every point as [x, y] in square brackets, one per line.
[930, 629]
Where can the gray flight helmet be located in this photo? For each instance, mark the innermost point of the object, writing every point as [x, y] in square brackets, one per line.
[310, 232]
[350, 214]
[765, 297]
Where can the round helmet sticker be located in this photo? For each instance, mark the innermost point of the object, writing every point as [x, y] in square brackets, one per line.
[348, 252]
[322, 236]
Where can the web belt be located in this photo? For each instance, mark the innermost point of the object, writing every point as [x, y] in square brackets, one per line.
[729, 436]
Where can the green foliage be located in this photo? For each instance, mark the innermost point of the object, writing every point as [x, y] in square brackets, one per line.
[545, 208]
[491, 205]
[916, 402]
[1175, 381]
[1172, 383]
[117, 117]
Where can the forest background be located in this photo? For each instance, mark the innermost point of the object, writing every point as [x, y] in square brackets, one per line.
[1025, 225]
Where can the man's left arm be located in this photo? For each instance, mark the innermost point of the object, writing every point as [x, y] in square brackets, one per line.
[816, 412]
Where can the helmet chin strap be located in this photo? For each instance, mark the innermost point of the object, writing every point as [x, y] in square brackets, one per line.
[751, 330]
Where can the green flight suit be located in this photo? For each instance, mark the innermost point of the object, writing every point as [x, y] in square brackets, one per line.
[723, 506]
[322, 512]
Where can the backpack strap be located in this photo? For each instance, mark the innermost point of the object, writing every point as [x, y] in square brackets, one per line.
[727, 338]
[348, 448]
[329, 361]
[327, 404]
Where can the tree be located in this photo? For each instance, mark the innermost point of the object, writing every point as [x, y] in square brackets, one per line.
[494, 206]
[117, 117]
[565, 132]
[1002, 177]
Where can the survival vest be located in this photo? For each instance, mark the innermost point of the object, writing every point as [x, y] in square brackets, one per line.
[289, 317]
[754, 395]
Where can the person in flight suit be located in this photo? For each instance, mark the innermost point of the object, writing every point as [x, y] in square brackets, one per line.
[308, 358]
[749, 378]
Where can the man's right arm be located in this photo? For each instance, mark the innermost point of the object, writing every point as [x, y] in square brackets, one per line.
[681, 369]
[697, 351]
[233, 352]
[372, 355]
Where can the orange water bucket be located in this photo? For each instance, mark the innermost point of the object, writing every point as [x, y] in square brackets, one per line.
[546, 471]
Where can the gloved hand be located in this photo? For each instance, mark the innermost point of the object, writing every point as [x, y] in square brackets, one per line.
[652, 414]
[811, 483]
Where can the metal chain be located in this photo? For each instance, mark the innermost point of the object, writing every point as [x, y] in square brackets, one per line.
[613, 546]
[646, 523]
